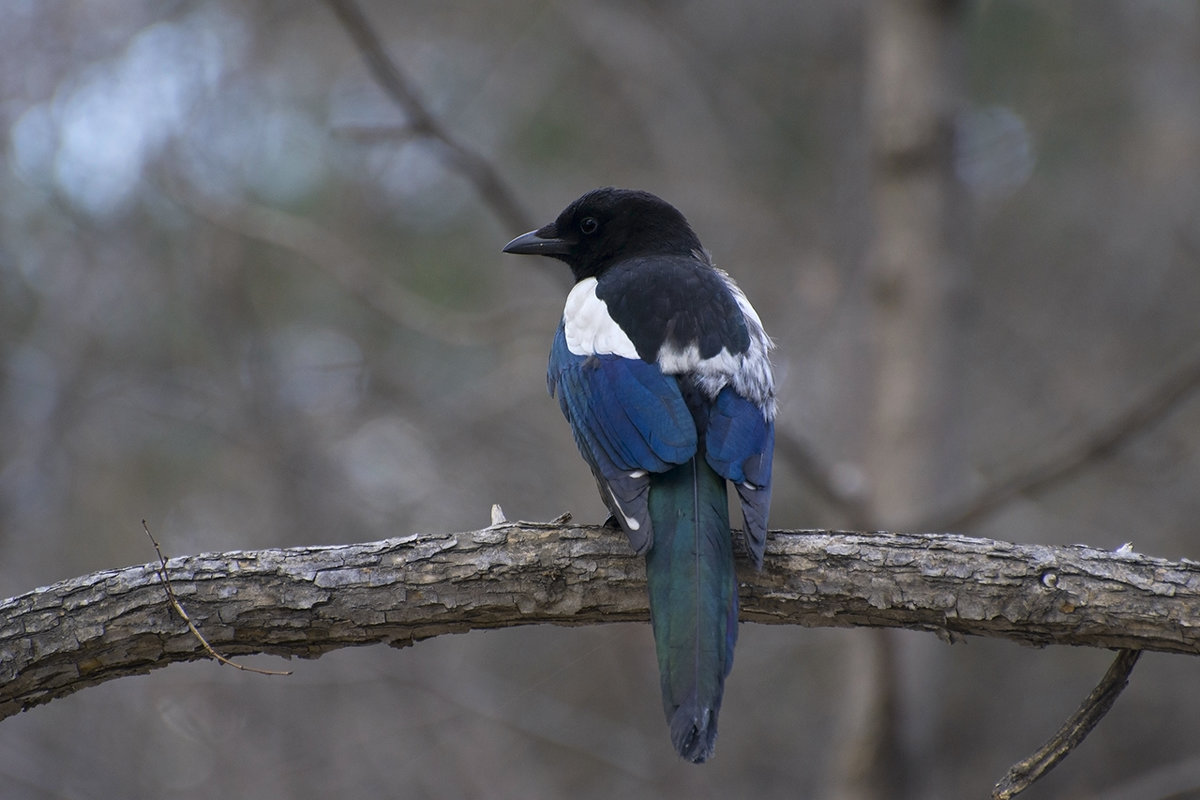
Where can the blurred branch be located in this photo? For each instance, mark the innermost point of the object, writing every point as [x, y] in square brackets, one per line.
[494, 191]
[371, 134]
[305, 601]
[1024, 773]
[801, 457]
[1061, 466]
[345, 264]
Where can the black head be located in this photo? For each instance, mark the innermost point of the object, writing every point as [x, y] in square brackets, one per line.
[606, 226]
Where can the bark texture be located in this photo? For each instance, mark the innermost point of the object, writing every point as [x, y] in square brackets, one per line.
[306, 601]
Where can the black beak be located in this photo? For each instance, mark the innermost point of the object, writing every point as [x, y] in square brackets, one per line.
[538, 243]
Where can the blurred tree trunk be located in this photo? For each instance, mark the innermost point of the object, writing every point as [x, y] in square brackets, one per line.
[913, 69]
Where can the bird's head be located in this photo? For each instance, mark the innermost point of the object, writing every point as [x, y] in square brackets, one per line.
[607, 226]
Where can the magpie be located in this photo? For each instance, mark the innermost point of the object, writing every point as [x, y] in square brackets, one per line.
[660, 365]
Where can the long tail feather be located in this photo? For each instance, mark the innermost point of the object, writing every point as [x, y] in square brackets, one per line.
[693, 600]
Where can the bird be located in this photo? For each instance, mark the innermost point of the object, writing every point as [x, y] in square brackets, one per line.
[661, 367]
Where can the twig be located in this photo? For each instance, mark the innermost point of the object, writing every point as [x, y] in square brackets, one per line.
[208, 648]
[1023, 774]
[482, 175]
[1061, 466]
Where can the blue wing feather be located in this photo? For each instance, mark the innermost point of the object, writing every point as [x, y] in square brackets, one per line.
[627, 418]
[739, 445]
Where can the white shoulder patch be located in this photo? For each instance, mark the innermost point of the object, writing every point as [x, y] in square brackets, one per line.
[588, 327]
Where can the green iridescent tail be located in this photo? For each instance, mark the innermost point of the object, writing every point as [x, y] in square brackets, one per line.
[693, 600]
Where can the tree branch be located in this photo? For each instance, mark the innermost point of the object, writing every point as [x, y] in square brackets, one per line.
[349, 268]
[1025, 772]
[492, 188]
[306, 601]
[1058, 466]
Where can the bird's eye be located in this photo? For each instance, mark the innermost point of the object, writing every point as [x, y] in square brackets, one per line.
[588, 225]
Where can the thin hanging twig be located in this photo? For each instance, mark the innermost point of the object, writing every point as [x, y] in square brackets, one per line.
[208, 648]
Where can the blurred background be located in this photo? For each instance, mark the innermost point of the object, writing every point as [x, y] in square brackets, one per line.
[249, 297]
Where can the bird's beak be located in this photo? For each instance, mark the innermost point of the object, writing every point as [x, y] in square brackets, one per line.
[538, 243]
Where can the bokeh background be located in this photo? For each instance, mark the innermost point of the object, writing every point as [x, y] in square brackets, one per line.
[245, 297]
